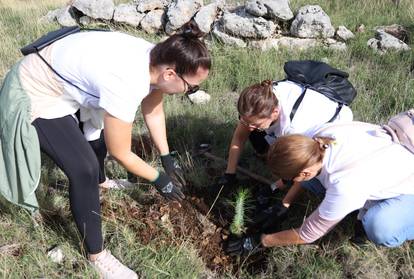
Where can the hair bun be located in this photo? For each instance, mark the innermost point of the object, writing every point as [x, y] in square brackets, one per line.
[191, 30]
[266, 82]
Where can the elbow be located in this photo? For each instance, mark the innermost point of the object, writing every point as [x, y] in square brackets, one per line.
[119, 156]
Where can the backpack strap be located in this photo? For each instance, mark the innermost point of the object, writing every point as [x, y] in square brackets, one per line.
[49, 39]
[338, 110]
[300, 99]
[59, 75]
[298, 102]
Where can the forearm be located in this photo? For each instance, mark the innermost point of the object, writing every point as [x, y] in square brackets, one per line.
[137, 166]
[236, 147]
[154, 117]
[283, 238]
[293, 193]
[157, 129]
[234, 155]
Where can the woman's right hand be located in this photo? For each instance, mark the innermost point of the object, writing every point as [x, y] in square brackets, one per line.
[167, 188]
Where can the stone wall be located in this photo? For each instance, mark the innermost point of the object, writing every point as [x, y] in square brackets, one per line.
[263, 24]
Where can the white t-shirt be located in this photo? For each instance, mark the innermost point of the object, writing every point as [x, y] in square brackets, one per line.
[363, 164]
[112, 66]
[314, 110]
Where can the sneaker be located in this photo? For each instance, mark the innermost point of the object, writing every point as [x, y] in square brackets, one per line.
[110, 267]
[117, 184]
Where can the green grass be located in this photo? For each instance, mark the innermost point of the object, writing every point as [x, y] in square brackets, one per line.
[384, 84]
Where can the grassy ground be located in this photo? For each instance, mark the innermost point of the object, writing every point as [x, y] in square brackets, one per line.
[384, 84]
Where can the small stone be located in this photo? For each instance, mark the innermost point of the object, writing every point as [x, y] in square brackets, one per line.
[325, 60]
[85, 20]
[56, 255]
[65, 17]
[360, 28]
[51, 16]
[344, 33]
[199, 97]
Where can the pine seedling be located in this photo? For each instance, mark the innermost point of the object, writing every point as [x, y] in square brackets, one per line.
[240, 207]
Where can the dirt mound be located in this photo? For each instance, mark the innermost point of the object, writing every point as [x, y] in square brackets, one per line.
[174, 223]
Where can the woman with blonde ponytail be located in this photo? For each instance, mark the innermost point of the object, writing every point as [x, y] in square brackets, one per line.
[360, 168]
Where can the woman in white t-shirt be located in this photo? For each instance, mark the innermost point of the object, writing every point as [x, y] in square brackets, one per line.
[106, 77]
[360, 167]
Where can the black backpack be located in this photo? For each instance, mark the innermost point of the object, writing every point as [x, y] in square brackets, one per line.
[322, 78]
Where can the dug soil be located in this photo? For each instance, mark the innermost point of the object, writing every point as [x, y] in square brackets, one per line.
[172, 223]
[199, 219]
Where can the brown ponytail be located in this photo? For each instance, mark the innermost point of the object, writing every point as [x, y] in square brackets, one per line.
[257, 100]
[184, 51]
[291, 154]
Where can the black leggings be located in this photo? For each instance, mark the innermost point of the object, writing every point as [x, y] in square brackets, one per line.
[82, 162]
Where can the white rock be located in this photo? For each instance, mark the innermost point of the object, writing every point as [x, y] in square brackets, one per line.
[85, 20]
[65, 18]
[344, 33]
[180, 12]
[265, 45]
[127, 13]
[51, 16]
[255, 28]
[298, 43]
[389, 42]
[325, 60]
[102, 9]
[374, 44]
[312, 22]
[395, 30]
[334, 44]
[153, 21]
[199, 97]
[56, 255]
[227, 39]
[150, 5]
[273, 9]
[206, 16]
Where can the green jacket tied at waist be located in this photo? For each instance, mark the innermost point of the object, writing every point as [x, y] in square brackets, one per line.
[19, 144]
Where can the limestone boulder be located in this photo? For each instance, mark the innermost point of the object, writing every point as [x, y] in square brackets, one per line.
[271, 9]
[153, 22]
[97, 9]
[312, 22]
[180, 12]
[206, 16]
[127, 13]
[150, 5]
[253, 28]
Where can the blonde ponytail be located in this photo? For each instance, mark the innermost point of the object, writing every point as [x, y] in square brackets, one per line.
[291, 154]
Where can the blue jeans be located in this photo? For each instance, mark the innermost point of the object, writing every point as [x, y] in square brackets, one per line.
[389, 222]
